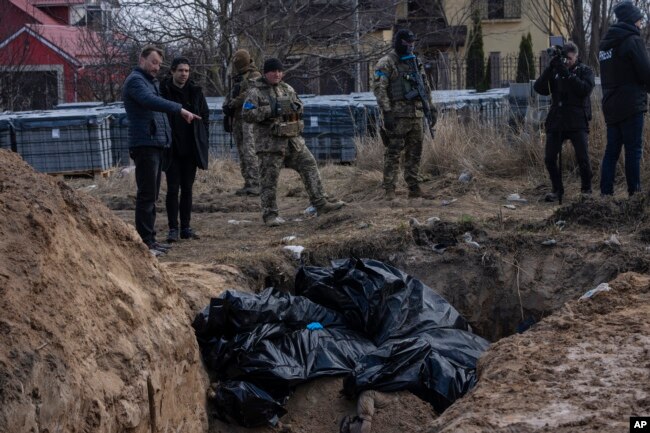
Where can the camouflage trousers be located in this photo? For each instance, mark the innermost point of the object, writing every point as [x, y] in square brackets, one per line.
[406, 137]
[242, 134]
[297, 157]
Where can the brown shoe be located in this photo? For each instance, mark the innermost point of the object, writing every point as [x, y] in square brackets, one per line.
[389, 195]
[328, 207]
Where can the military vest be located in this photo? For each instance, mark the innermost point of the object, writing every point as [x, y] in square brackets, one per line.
[285, 119]
[402, 85]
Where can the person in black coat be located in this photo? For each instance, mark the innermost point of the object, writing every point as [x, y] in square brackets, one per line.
[625, 78]
[189, 149]
[570, 83]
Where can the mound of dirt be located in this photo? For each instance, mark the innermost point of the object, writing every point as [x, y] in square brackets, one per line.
[585, 368]
[94, 334]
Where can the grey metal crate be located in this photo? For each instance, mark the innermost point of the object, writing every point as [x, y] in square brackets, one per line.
[119, 125]
[221, 144]
[5, 131]
[64, 141]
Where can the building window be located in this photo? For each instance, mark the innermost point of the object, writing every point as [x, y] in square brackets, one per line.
[499, 9]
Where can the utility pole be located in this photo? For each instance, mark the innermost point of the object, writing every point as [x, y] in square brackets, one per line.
[357, 49]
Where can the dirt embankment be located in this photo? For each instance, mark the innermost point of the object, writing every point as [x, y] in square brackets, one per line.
[94, 334]
[585, 368]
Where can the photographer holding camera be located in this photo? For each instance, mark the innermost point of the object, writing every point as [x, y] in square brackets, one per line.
[625, 76]
[569, 82]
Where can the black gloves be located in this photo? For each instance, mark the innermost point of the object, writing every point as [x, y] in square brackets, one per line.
[559, 67]
[389, 121]
[227, 111]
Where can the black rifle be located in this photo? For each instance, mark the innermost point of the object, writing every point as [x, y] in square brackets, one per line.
[421, 92]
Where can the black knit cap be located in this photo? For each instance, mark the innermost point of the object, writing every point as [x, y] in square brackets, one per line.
[627, 12]
[273, 64]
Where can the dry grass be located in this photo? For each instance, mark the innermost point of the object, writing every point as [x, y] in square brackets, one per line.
[488, 152]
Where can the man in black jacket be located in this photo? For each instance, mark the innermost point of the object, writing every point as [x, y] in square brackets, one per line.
[569, 82]
[625, 77]
[189, 149]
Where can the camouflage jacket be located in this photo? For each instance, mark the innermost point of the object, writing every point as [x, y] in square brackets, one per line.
[392, 80]
[257, 109]
[240, 83]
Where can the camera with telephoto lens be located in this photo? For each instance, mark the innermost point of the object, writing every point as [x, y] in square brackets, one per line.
[557, 51]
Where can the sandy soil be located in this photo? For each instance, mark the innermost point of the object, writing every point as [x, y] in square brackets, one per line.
[511, 281]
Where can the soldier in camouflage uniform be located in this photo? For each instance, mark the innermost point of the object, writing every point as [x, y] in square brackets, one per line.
[276, 112]
[403, 111]
[243, 71]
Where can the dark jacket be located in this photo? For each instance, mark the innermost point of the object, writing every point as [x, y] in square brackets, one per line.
[570, 97]
[145, 111]
[625, 72]
[194, 101]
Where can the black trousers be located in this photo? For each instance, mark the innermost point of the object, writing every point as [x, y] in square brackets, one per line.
[580, 141]
[180, 176]
[148, 170]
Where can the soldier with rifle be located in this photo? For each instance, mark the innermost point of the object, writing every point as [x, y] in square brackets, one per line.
[404, 98]
[243, 72]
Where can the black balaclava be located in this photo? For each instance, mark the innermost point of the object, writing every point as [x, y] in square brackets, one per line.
[403, 42]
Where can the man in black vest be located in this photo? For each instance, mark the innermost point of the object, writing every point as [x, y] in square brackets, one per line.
[189, 147]
[569, 82]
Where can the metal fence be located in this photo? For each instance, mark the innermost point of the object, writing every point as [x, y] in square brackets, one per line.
[449, 72]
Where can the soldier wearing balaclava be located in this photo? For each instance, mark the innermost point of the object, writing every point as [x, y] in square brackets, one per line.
[404, 98]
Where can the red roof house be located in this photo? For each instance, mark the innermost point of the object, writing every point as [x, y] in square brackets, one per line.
[44, 59]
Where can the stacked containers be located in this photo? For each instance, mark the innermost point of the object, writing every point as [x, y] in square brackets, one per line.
[222, 145]
[5, 131]
[331, 123]
[64, 141]
[119, 125]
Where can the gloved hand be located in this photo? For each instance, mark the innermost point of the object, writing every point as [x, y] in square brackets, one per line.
[559, 67]
[227, 110]
[389, 121]
[556, 62]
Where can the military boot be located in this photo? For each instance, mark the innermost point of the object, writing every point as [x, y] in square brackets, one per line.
[415, 191]
[328, 207]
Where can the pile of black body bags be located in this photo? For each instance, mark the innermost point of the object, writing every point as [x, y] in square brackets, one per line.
[362, 319]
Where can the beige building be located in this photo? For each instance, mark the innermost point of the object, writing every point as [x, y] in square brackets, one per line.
[332, 46]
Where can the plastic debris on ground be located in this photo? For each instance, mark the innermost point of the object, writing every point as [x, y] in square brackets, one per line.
[294, 250]
[362, 319]
[465, 177]
[287, 239]
[602, 287]
[448, 202]
[516, 198]
[310, 211]
[613, 241]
